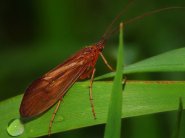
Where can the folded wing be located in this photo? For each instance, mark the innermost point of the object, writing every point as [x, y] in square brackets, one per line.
[47, 90]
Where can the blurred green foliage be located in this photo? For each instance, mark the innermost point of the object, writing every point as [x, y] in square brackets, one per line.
[37, 35]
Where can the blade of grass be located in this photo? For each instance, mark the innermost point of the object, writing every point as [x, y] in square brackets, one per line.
[179, 120]
[140, 98]
[113, 125]
[171, 61]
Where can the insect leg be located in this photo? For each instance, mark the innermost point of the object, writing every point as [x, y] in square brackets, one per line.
[105, 61]
[90, 93]
[53, 117]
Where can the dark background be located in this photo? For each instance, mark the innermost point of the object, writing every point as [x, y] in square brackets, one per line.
[35, 36]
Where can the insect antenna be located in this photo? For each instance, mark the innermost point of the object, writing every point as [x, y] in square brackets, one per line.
[110, 27]
[149, 13]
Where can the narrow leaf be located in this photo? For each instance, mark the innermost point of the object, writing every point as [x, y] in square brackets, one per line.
[113, 125]
[179, 119]
[140, 98]
[171, 61]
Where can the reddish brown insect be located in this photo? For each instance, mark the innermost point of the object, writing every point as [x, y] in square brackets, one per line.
[50, 88]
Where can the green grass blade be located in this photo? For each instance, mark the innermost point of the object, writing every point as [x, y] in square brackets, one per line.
[179, 119]
[171, 61]
[113, 125]
[140, 98]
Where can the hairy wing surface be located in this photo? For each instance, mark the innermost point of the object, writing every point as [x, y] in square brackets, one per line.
[47, 90]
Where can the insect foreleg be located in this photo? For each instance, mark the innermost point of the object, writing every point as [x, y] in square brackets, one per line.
[105, 61]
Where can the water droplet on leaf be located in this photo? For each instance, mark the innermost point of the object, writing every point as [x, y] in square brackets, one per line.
[15, 128]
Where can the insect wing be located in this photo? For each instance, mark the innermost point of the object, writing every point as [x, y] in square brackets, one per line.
[47, 90]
